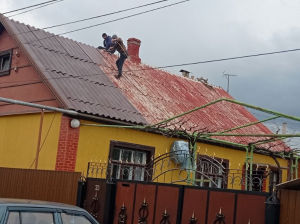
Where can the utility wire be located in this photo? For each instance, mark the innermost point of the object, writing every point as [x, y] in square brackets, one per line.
[27, 7]
[231, 58]
[20, 13]
[103, 15]
[110, 21]
[90, 18]
[183, 64]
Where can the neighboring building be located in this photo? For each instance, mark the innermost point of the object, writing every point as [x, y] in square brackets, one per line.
[42, 68]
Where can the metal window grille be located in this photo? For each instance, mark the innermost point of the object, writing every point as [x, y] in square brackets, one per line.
[127, 164]
[211, 172]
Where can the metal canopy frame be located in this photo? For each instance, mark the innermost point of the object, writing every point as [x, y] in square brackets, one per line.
[249, 148]
[197, 136]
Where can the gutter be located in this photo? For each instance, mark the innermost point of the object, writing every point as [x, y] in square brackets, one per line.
[43, 107]
[71, 113]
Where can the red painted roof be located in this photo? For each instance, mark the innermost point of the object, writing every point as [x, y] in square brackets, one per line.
[83, 78]
[159, 95]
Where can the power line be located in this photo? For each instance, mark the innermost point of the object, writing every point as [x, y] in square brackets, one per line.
[27, 7]
[20, 13]
[231, 58]
[110, 21]
[183, 64]
[90, 18]
[103, 15]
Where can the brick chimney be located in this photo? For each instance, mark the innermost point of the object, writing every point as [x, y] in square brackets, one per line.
[133, 47]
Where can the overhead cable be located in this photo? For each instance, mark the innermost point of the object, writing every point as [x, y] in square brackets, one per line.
[110, 21]
[29, 10]
[31, 6]
[103, 15]
[231, 58]
[91, 18]
[183, 64]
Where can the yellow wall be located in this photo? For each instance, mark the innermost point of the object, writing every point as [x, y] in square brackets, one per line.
[94, 145]
[19, 138]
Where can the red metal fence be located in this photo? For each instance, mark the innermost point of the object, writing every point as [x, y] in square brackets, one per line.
[161, 203]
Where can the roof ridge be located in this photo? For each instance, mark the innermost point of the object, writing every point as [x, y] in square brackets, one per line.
[42, 29]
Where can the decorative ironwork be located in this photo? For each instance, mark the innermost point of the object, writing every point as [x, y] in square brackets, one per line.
[94, 207]
[165, 218]
[122, 217]
[193, 219]
[143, 213]
[207, 171]
[220, 218]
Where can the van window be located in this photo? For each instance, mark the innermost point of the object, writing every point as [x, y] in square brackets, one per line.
[37, 218]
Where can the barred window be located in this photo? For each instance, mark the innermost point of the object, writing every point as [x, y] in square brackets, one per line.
[257, 181]
[5, 62]
[129, 161]
[211, 172]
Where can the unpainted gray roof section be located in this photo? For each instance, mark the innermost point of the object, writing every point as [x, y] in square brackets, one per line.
[72, 70]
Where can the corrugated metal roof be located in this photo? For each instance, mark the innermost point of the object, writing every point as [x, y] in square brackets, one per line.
[72, 70]
[159, 95]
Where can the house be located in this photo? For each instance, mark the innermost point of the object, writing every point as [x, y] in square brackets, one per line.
[109, 124]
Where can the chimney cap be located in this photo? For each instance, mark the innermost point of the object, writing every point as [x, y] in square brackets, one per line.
[133, 47]
[132, 39]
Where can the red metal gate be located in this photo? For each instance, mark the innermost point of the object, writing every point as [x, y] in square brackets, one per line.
[162, 203]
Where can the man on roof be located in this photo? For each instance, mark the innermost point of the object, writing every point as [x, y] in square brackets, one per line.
[107, 43]
[118, 45]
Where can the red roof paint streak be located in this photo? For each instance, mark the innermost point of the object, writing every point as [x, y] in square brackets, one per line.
[159, 95]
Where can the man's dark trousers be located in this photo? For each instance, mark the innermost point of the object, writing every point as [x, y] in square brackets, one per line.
[120, 62]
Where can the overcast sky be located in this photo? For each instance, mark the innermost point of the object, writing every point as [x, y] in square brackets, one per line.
[199, 30]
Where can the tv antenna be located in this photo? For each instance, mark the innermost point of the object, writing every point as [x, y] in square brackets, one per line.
[227, 76]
